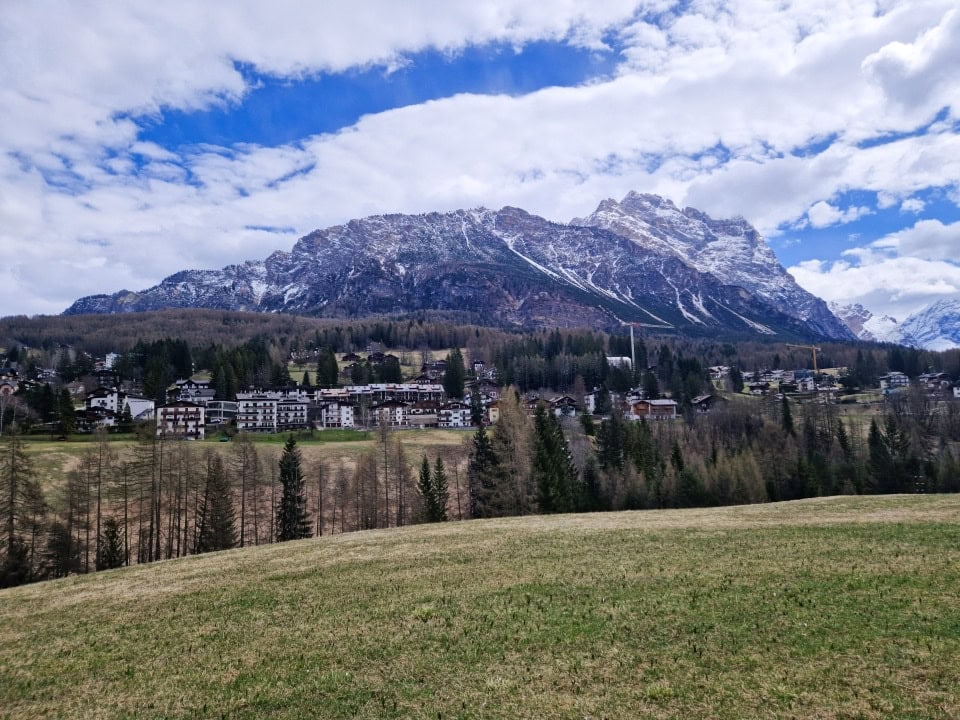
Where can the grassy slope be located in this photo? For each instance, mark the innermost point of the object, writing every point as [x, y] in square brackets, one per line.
[846, 607]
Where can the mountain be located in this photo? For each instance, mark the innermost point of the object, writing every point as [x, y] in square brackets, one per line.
[867, 326]
[504, 267]
[731, 250]
[936, 327]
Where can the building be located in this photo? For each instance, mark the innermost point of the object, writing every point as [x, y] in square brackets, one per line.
[181, 419]
[392, 413]
[256, 412]
[454, 415]
[894, 379]
[563, 406]
[291, 414]
[655, 409]
[220, 412]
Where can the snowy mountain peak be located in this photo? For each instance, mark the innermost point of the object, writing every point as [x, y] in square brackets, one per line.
[867, 326]
[936, 327]
[641, 260]
[729, 249]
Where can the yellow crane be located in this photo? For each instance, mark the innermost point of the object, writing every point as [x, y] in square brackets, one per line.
[812, 348]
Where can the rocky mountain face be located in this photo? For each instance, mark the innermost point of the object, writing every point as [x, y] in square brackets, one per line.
[730, 250]
[505, 267]
[867, 326]
[935, 327]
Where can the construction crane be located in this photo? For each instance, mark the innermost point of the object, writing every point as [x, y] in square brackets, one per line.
[812, 348]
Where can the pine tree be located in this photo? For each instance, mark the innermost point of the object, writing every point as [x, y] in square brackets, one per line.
[553, 469]
[293, 521]
[786, 417]
[476, 408]
[66, 413]
[425, 486]
[111, 553]
[483, 475]
[455, 375]
[217, 521]
[440, 492]
[306, 379]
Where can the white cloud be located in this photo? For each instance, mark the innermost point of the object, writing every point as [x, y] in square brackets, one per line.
[762, 84]
[822, 214]
[896, 275]
[912, 205]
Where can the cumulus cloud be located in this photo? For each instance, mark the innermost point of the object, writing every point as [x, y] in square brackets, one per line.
[713, 104]
[822, 214]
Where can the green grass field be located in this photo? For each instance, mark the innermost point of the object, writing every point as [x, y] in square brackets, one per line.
[836, 608]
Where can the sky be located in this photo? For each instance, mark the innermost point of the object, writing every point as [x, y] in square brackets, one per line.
[141, 138]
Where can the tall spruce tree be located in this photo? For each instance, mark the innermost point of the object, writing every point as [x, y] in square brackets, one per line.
[440, 492]
[455, 375]
[483, 474]
[217, 521]
[476, 408]
[111, 554]
[293, 521]
[425, 486]
[553, 469]
[20, 498]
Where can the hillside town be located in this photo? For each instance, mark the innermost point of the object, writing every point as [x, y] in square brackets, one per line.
[192, 407]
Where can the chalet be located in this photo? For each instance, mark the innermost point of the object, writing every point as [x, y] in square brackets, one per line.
[805, 385]
[563, 406]
[758, 388]
[454, 415]
[894, 379]
[351, 357]
[619, 361]
[376, 358]
[478, 366]
[181, 419]
[703, 403]
[192, 390]
[106, 398]
[934, 381]
[718, 372]
[655, 409]
[88, 419]
[487, 388]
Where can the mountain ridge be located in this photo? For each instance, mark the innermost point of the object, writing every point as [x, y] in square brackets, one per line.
[516, 269]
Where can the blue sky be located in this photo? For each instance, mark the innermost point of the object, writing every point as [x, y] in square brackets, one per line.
[142, 139]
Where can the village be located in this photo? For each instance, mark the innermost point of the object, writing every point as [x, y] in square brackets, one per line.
[192, 408]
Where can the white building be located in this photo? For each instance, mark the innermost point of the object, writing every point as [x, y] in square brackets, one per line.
[181, 419]
[291, 414]
[454, 415]
[256, 413]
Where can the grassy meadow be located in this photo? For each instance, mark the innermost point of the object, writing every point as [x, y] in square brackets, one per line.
[830, 608]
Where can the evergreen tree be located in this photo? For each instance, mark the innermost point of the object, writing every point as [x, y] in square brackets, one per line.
[293, 522]
[483, 475]
[66, 413]
[455, 375]
[786, 417]
[610, 442]
[440, 492]
[306, 380]
[111, 546]
[425, 486]
[61, 554]
[476, 408]
[554, 472]
[217, 522]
